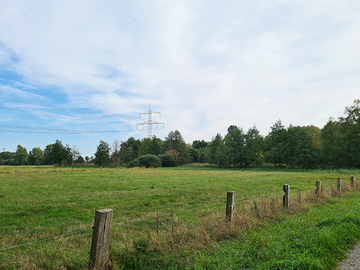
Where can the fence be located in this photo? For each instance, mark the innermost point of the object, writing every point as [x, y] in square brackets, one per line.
[103, 222]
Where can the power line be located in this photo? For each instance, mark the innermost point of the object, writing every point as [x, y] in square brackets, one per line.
[63, 115]
[18, 129]
[63, 109]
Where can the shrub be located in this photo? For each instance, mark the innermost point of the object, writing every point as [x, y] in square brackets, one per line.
[168, 160]
[150, 161]
[134, 163]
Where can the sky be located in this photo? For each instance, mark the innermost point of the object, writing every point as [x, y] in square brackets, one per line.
[82, 71]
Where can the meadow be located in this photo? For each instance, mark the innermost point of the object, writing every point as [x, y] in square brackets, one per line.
[173, 218]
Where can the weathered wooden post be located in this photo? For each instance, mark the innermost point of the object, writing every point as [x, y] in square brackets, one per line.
[230, 207]
[318, 187]
[339, 184]
[100, 247]
[353, 182]
[286, 198]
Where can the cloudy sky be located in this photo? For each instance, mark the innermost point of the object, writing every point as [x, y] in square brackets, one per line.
[78, 66]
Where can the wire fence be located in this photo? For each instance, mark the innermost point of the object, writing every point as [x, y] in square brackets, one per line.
[164, 220]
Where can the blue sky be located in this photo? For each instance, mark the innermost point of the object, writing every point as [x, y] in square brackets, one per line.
[205, 65]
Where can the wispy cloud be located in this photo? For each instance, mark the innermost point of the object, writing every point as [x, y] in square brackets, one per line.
[204, 65]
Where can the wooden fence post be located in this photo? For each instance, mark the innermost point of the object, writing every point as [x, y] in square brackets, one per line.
[353, 182]
[286, 198]
[100, 246]
[318, 187]
[339, 184]
[230, 207]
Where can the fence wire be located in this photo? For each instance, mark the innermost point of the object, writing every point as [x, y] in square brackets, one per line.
[156, 224]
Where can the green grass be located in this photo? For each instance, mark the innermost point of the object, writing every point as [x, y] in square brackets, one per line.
[39, 203]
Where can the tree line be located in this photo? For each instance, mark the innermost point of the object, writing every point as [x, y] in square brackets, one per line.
[336, 145]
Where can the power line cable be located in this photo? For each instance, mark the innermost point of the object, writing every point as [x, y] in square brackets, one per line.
[62, 115]
[63, 109]
[19, 129]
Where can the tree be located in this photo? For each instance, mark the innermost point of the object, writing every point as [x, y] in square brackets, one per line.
[350, 128]
[134, 144]
[36, 156]
[156, 147]
[102, 155]
[276, 144]
[21, 155]
[194, 154]
[198, 152]
[213, 147]
[48, 159]
[145, 146]
[175, 141]
[300, 149]
[235, 142]
[333, 152]
[151, 146]
[7, 158]
[218, 151]
[254, 147]
[75, 153]
[197, 144]
[167, 160]
[126, 154]
[57, 153]
[79, 160]
[115, 152]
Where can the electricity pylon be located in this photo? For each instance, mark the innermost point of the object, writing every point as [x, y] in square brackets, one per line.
[150, 122]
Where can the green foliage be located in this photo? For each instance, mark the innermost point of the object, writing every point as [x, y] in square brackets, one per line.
[332, 147]
[57, 153]
[300, 148]
[254, 148]
[276, 144]
[36, 156]
[21, 155]
[235, 142]
[129, 150]
[194, 154]
[133, 143]
[175, 141]
[197, 144]
[147, 161]
[7, 158]
[152, 146]
[167, 160]
[134, 163]
[340, 140]
[150, 161]
[102, 155]
[79, 160]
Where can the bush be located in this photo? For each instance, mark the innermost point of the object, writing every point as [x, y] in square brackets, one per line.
[168, 160]
[134, 163]
[150, 161]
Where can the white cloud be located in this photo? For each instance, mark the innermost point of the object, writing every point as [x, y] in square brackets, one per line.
[204, 65]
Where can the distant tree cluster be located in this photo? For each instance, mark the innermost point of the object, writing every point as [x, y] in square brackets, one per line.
[53, 154]
[148, 152]
[336, 145]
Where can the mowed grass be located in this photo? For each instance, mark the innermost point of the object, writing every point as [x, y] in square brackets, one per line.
[47, 212]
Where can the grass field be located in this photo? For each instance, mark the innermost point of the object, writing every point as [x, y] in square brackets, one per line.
[173, 218]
